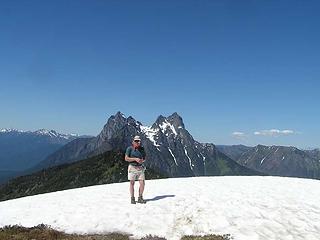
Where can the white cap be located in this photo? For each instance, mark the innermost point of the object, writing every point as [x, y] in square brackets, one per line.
[136, 138]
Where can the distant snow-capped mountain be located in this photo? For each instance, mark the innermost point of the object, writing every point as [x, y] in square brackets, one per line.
[43, 132]
[20, 150]
[8, 130]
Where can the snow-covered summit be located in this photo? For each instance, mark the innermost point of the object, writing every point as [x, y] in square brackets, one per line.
[53, 133]
[42, 132]
[9, 130]
[169, 126]
[247, 208]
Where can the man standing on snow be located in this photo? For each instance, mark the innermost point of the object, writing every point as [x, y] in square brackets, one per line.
[135, 155]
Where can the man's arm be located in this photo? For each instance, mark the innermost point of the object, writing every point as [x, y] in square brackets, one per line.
[130, 159]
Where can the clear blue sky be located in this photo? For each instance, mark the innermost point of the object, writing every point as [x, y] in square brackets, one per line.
[229, 68]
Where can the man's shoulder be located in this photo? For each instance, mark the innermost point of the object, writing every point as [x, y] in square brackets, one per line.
[128, 149]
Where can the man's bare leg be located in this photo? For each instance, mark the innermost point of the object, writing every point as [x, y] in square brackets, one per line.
[141, 187]
[133, 201]
[132, 188]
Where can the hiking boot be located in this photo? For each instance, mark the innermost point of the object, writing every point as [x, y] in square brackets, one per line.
[141, 200]
[133, 201]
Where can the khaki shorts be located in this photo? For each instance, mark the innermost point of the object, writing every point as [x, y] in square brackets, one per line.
[136, 172]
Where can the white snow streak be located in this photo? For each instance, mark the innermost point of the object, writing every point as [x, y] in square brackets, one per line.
[204, 159]
[174, 158]
[185, 151]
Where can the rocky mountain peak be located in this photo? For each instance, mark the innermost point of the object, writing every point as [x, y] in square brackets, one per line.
[117, 123]
[132, 121]
[114, 124]
[118, 116]
[176, 120]
[160, 120]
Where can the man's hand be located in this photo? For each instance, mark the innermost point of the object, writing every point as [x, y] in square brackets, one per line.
[140, 160]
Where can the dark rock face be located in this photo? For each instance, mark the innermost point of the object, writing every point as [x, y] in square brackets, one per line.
[233, 151]
[281, 161]
[75, 150]
[169, 146]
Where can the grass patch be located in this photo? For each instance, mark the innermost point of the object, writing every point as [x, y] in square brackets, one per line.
[207, 237]
[44, 232]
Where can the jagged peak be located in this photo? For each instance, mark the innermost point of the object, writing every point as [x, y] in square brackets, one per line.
[160, 120]
[176, 120]
[115, 123]
[130, 118]
[132, 121]
[118, 118]
[174, 115]
[119, 115]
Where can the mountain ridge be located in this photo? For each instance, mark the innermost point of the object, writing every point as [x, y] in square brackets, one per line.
[277, 160]
[170, 147]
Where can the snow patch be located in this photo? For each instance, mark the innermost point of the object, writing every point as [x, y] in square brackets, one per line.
[203, 159]
[287, 208]
[150, 133]
[174, 158]
[165, 125]
[46, 132]
[185, 151]
[262, 160]
[53, 133]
